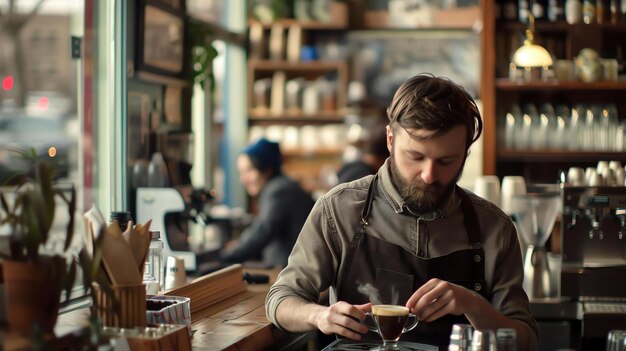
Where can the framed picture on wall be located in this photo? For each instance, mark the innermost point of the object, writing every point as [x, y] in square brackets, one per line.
[161, 39]
[172, 107]
[138, 126]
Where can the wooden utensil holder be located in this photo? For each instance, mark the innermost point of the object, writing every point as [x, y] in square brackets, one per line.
[131, 300]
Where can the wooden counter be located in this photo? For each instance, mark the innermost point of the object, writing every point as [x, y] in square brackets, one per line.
[226, 314]
[229, 314]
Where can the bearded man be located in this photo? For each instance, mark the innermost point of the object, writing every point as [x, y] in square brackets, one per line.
[409, 236]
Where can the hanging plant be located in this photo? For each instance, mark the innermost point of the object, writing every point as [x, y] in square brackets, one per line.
[202, 54]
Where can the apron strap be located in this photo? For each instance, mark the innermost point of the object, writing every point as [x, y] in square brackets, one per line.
[365, 212]
[357, 237]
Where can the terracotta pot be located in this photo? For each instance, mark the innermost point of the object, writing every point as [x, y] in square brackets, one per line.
[33, 293]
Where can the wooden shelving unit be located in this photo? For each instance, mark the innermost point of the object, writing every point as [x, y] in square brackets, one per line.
[505, 84]
[550, 156]
[279, 68]
[564, 41]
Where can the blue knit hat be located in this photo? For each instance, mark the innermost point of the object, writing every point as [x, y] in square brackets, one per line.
[265, 155]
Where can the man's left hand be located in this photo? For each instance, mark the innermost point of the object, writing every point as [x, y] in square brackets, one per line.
[438, 298]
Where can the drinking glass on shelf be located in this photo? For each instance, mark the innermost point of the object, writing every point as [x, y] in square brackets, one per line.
[616, 340]
[590, 130]
[620, 137]
[509, 131]
[563, 137]
[574, 131]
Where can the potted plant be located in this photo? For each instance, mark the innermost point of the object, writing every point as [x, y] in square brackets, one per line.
[34, 273]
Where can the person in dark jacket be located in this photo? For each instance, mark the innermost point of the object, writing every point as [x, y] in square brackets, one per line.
[283, 207]
[373, 152]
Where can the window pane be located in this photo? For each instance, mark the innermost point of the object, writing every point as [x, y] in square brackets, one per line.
[40, 94]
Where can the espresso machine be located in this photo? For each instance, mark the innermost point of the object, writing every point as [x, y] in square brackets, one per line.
[169, 215]
[593, 246]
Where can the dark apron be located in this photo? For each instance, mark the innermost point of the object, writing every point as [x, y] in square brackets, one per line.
[397, 273]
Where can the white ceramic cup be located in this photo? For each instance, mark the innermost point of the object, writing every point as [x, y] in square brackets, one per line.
[615, 165]
[589, 172]
[601, 166]
[488, 187]
[511, 185]
[596, 180]
[175, 275]
[576, 176]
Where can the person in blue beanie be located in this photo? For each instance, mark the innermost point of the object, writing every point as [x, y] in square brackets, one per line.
[283, 207]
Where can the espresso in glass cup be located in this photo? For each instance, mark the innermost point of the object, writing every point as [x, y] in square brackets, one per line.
[391, 323]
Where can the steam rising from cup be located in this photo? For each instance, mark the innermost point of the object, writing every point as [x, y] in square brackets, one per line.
[373, 294]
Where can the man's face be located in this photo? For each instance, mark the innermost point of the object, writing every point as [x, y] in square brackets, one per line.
[425, 171]
[251, 178]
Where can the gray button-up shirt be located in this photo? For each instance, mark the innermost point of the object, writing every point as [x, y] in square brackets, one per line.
[317, 259]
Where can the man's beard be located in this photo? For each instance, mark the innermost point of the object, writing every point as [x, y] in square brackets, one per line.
[418, 196]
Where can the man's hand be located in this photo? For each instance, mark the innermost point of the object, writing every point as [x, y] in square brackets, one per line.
[438, 298]
[343, 319]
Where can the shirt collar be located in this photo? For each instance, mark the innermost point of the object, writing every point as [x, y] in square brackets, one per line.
[397, 202]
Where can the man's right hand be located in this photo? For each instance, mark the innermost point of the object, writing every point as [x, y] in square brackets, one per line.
[343, 319]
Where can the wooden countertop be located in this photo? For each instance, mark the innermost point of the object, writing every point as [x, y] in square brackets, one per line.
[226, 314]
[238, 322]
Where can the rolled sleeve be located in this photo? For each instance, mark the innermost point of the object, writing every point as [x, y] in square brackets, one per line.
[312, 264]
[508, 293]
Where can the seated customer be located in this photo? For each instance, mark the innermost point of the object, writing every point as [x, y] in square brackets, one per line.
[283, 206]
[373, 152]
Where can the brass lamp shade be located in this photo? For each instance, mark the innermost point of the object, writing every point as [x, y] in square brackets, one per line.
[530, 54]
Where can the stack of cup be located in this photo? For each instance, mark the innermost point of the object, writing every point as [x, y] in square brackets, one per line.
[488, 187]
[511, 186]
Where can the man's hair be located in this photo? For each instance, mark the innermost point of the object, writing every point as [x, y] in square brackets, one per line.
[434, 103]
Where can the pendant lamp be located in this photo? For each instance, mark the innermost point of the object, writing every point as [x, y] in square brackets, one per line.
[531, 54]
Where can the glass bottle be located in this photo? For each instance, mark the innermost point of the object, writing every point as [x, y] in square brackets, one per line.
[614, 11]
[523, 9]
[556, 10]
[153, 270]
[509, 11]
[157, 171]
[589, 11]
[538, 9]
[573, 11]
[602, 11]
[122, 218]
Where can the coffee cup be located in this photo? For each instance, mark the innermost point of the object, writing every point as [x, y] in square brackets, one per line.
[391, 322]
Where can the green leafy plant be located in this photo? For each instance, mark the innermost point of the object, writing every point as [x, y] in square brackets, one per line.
[28, 210]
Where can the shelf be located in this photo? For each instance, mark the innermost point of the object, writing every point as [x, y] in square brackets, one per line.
[291, 118]
[318, 152]
[505, 84]
[273, 65]
[558, 156]
[561, 26]
[308, 25]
